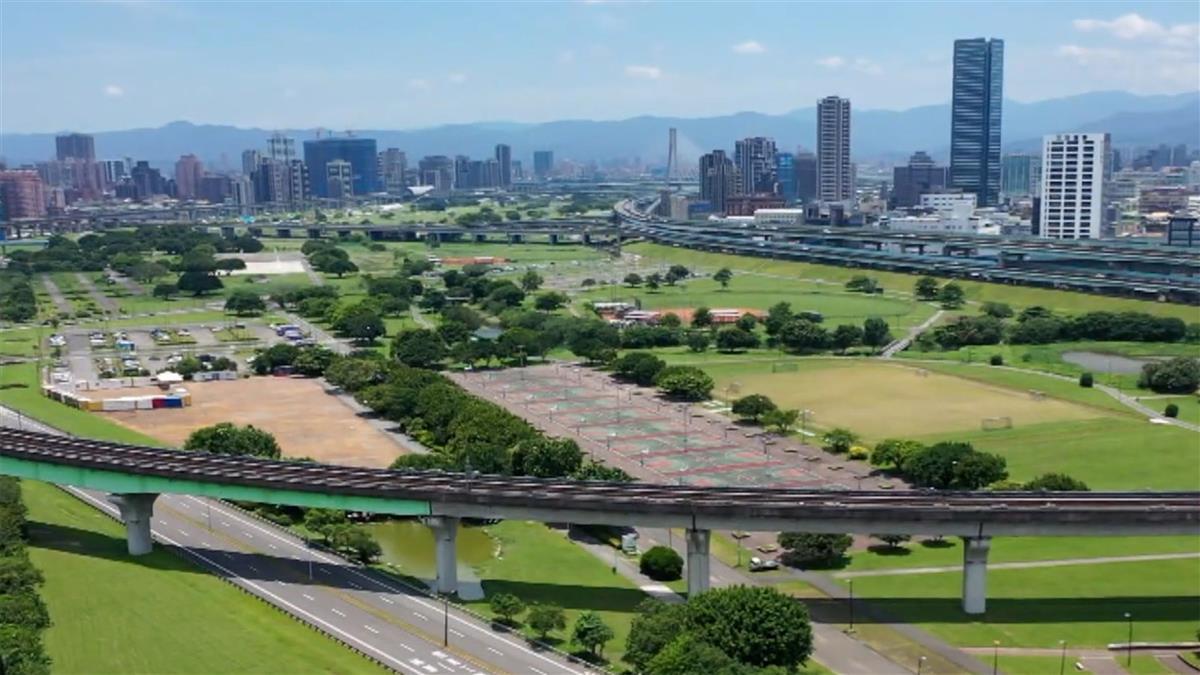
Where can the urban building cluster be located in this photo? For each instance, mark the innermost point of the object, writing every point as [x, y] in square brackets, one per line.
[1075, 188]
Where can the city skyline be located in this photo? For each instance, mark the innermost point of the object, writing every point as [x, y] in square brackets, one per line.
[609, 63]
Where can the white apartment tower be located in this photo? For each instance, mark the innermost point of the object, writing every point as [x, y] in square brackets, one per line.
[1074, 168]
[835, 176]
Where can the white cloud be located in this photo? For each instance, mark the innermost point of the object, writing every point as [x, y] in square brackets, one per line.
[749, 47]
[831, 62]
[644, 72]
[867, 66]
[114, 90]
[457, 78]
[1088, 55]
[418, 83]
[1137, 27]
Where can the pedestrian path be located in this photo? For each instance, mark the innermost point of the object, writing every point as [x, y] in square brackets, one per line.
[1064, 562]
[56, 296]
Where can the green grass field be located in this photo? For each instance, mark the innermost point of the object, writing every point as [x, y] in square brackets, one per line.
[1082, 604]
[1017, 296]
[158, 614]
[924, 552]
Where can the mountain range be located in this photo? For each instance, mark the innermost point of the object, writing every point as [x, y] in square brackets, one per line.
[883, 135]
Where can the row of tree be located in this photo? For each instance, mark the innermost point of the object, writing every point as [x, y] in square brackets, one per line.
[685, 383]
[23, 615]
[18, 301]
[126, 251]
[1038, 325]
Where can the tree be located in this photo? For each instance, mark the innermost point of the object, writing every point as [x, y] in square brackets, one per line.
[355, 541]
[779, 315]
[747, 322]
[546, 457]
[165, 291]
[954, 466]
[633, 280]
[846, 336]
[661, 564]
[420, 348]
[782, 421]
[670, 320]
[227, 439]
[701, 318]
[876, 333]
[655, 625]
[548, 302]
[531, 281]
[1056, 482]
[892, 541]
[807, 550]
[684, 382]
[839, 440]
[723, 277]
[803, 335]
[893, 452]
[688, 655]
[1180, 375]
[999, 310]
[198, 283]
[360, 322]
[653, 281]
[698, 341]
[638, 367]
[1086, 380]
[732, 339]
[591, 632]
[148, 272]
[676, 273]
[242, 302]
[507, 606]
[312, 361]
[1172, 410]
[951, 296]
[544, 618]
[230, 265]
[596, 471]
[754, 625]
[339, 266]
[926, 288]
[753, 407]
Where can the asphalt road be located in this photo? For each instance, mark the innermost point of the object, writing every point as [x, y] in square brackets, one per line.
[376, 615]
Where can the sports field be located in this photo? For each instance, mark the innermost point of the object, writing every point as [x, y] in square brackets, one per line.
[880, 400]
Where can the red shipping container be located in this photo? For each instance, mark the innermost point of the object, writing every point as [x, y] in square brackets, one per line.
[158, 402]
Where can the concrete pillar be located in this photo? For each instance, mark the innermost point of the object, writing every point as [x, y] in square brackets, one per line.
[445, 534]
[227, 231]
[314, 233]
[137, 510]
[283, 232]
[974, 588]
[697, 561]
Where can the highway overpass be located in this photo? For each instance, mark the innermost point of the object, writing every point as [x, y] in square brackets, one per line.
[137, 475]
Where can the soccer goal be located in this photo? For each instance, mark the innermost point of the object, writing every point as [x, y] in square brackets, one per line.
[996, 423]
[785, 367]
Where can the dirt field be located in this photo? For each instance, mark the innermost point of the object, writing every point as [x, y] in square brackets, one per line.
[685, 313]
[878, 400]
[305, 420]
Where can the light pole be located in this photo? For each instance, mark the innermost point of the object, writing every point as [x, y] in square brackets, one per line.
[644, 453]
[445, 620]
[851, 604]
[1062, 661]
[920, 664]
[1129, 642]
[995, 656]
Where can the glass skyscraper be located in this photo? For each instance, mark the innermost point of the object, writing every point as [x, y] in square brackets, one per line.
[975, 118]
[785, 176]
[359, 152]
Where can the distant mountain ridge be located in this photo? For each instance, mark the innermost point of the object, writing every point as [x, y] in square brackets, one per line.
[877, 134]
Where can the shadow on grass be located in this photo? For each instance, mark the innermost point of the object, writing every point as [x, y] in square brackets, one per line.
[889, 551]
[937, 543]
[1009, 610]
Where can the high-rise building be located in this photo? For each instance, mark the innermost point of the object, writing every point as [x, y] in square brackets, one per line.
[271, 182]
[214, 189]
[250, 159]
[462, 172]
[23, 194]
[281, 148]
[339, 179]
[806, 176]
[975, 118]
[393, 164]
[75, 146]
[835, 176]
[241, 190]
[147, 181]
[436, 171]
[1020, 175]
[504, 157]
[299, 182]
[113, 170]
[717, 179]
[921, 176]
[755, 160]
[1073, 175]
[188, 171]
[543, 163]
[785, 176]
[359, 152]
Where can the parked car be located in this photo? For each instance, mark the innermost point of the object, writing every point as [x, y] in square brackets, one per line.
[763, 564]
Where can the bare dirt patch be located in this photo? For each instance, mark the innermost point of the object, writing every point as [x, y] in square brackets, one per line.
[685, 313]
[305, 420]
[471, 260]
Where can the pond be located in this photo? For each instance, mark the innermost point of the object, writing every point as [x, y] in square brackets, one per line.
[1098, 362]
[408, 545]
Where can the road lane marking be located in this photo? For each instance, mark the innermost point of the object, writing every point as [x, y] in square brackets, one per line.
[370, 629]
[181, 531]
[225, 523]
[495, 651]
[308, 597]
[539, 672]
[387, 599]
[354, 585]
[273, 547]
[457, 633]
[420, 616]
[248, 535]
[404, 646]
[252, 568]
[338, 612]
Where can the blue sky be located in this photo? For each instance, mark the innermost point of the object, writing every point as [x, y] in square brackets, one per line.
[122, 64]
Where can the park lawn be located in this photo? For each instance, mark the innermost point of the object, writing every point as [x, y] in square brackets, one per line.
[158, 614]
[1027, 381]
[880, 400]
[1142, 663]
[1114, 453]
[1031, 665]
[21, 341]
[538, 564]
[1189, 406]
[976, 291]
[1082, 604]
[925, 552]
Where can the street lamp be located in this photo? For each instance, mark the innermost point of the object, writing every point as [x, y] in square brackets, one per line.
[920, 664]
[851, 581]
[644, 453]
[445, 620]
[1129, 642]
[1062, 661]
[995, 656]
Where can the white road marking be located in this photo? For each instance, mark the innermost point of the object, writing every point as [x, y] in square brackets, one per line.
[181, 531]
[273, 547]
[354, 585]
[404, 646]
[248, 535]
[252, 568]
[387, 599]
[184, 505]
[440, 655]
[453, 662]
[322, 570]
[430, 669]
[495, 651]
[420, 616]
[339, 613]
[370, 629]
[308, 597]
[539, 672]
[457, 633]
[416, 662]
[225, 523]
